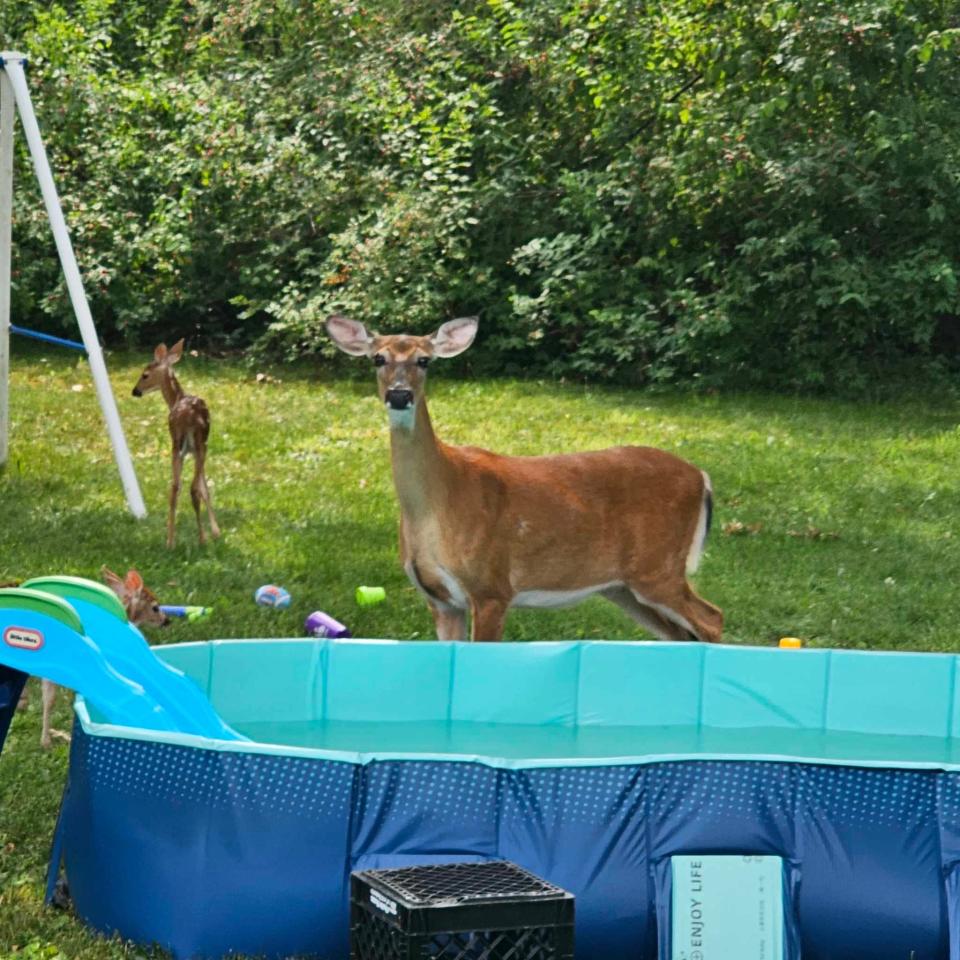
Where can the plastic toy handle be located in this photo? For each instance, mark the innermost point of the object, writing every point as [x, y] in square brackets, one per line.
[191, 614]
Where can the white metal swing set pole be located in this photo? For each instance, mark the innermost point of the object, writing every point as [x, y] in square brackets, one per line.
[6, 218]
[14, 91]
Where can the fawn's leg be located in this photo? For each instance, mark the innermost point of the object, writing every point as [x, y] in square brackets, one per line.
[214, 526]
[47, 692]
[196, 496]
[174, 494]
[201, 456]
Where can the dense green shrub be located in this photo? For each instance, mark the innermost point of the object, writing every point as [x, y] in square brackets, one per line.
[738, 193]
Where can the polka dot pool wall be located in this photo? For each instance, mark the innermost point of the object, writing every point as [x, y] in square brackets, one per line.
[140, 769]
[207, 852]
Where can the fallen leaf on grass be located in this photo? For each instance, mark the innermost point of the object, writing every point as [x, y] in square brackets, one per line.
[735, 528]
[814, 533]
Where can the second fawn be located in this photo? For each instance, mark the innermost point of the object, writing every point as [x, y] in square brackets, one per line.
[189, 423]
[142, 608]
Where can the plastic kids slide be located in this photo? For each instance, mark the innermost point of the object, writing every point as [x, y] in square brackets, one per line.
[75, 633]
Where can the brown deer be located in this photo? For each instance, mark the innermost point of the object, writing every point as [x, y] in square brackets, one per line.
[481, 532]
[189, 423]
[143, 609]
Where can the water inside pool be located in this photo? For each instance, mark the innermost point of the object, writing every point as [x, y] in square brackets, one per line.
[556, 741]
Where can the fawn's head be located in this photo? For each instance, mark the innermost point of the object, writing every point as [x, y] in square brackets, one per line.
[154, 372]
[400, 359]
[142, 606]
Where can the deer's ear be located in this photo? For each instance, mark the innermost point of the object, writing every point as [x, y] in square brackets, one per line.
[349, 335]
[176, 351]
[454, 337]
[133, 581]
[111, 579]
[160, 354]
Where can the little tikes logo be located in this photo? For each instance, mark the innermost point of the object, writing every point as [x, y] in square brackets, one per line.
[23, 638]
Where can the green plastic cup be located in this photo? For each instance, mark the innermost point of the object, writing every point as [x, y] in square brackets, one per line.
[367, 596]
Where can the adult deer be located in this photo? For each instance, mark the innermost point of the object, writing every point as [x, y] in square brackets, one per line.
[481, 532]
[189, 423]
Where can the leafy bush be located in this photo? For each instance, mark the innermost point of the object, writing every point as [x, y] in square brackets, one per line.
[726, 193]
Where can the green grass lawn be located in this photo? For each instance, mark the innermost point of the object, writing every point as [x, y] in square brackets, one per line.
[834, 522]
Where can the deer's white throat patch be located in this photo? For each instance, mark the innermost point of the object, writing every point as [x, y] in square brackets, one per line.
[401, 419]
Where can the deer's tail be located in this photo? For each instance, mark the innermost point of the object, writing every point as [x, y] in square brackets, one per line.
[703, 525]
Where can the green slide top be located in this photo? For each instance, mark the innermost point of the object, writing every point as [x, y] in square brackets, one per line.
[77, 588]
[38, 601]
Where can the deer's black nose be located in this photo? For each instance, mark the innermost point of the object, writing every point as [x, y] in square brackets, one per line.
[136, 391]
[399, 399]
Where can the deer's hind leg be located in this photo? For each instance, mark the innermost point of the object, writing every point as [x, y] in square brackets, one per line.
[200, 495]
[214, 526]
[646, 616]
[677, 602]
[196, 497]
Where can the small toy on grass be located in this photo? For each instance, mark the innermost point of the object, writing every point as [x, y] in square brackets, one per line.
[367, 596]
[790, 643]
[190, 614]
[320, 624]
[270, 595]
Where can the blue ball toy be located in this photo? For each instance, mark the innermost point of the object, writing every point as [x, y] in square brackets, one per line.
[270, 595]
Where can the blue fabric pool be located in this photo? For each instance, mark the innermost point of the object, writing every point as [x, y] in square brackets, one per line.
[590, 764]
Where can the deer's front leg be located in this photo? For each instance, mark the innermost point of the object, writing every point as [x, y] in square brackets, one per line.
[451, 624]
[487, 619]
[174, 494]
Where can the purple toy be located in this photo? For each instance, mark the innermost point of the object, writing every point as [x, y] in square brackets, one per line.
[320, 624]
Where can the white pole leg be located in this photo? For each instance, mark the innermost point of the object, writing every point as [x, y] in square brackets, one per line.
[13, 66]
[7, 112]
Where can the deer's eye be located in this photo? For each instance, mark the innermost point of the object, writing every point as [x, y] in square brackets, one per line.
[379, 359]
[423, 361]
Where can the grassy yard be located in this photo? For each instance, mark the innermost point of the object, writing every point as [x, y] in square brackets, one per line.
[834, 522]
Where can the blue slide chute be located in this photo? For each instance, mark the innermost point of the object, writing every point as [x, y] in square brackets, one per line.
[75, 633]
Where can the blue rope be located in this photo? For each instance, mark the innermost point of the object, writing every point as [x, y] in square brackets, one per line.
[48, 338]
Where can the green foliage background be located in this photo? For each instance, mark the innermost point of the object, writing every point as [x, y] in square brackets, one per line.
[736, 193]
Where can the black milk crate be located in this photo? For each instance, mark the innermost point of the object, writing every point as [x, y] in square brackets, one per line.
[459, 911]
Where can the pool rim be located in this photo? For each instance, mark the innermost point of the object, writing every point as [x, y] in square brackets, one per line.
[100, 729]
